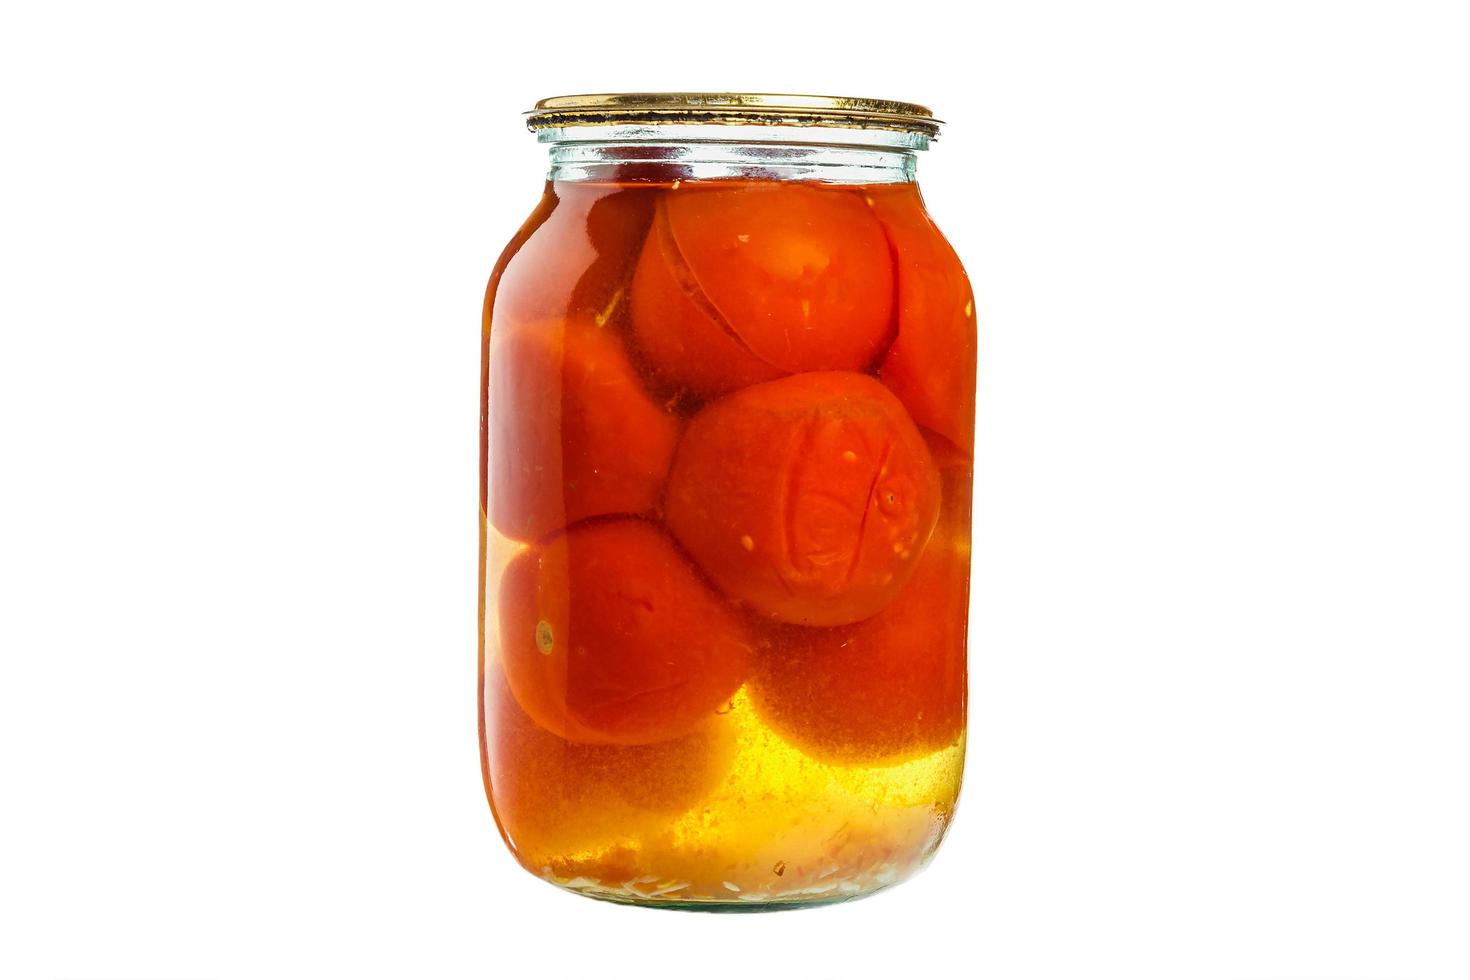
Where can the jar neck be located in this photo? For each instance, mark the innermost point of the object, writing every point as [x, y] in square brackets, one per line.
[700, 151]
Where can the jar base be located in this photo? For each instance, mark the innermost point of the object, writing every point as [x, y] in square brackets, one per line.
[754, 905]
[683, 896]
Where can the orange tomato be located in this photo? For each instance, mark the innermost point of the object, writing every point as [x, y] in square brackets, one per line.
[809, 499]
[573, 433]
[609, 637]
[931, 365]
[890, 687]
[744, 283]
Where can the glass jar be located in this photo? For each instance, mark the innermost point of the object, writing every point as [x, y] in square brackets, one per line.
[727, 425]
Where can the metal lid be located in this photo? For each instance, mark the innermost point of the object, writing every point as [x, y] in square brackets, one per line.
[731, 108]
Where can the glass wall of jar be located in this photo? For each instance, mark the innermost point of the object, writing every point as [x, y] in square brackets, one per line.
[727, 425]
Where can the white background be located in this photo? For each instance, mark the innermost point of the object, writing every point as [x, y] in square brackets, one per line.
[1222, 593]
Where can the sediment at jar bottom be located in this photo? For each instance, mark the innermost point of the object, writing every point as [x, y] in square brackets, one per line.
[809, 499]
[609, 637]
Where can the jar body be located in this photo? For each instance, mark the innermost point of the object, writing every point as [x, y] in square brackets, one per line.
[725, 512]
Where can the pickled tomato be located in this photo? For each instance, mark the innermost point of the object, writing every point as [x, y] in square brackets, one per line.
[889, 687]
[609, 637]
[809, 499]
[573, 431]
[931, 365]
[554, 795]
[748, 282]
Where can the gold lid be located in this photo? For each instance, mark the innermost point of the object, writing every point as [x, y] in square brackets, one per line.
[731, 108]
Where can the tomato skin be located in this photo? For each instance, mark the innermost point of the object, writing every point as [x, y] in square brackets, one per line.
[677, 330]
[747, 282]
[890, 687]
[809, 499]
[609, 637]
[552, 796]
[931, 365]
[573, 432]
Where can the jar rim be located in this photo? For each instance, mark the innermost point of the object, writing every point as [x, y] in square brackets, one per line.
[731, 108]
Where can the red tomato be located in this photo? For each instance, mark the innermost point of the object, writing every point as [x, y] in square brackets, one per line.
[893, 686]
[677, 330]
[809, 499]
[616, 225]
[609, 637]
[743, 283]
[931, 365]
[573, 256]
[552, 796]
[573, 433]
